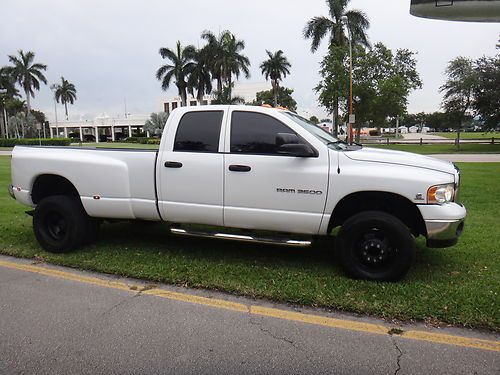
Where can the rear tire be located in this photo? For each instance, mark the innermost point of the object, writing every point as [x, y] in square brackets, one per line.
[374, 245]
[60, 223]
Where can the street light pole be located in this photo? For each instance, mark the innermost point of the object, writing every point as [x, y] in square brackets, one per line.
[351, 120]
[54, 87]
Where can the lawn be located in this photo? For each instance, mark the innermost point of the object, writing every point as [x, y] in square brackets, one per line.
[470, 135]
[465, 148]
[459, 285]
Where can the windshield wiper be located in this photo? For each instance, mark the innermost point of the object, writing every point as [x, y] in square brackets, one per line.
[338, 141]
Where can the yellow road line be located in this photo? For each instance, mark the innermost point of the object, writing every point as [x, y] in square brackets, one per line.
[441, 338]
[212, 302]
[319, 320]
[350, 325]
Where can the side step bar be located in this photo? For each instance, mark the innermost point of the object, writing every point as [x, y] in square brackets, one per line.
[237, 237]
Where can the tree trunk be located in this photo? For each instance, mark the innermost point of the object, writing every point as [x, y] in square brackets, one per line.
[457, 141]
[28, 102]
[274, 84]
[183, 95]
[66, 109]
[230, 88]
[335, 127]
[219, 84]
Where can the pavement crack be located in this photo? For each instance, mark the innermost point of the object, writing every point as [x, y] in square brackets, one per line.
[400, 355]
[116, 305]
[270, 333]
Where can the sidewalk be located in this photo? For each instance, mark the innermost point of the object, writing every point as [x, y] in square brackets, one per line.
[469, 158]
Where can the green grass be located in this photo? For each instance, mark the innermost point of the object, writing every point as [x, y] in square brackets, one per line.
[458, 285]
[469, 135]
[465, 148]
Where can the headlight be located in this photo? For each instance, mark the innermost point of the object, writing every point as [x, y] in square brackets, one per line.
[440, 193]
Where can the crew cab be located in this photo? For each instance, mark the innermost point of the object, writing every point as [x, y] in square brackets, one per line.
[257, 169]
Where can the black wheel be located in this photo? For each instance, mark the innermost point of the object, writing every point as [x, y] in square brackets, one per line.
[374, 245]
[60, 223]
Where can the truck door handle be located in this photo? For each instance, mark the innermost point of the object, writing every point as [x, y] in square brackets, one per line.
[173, 164]
[240, 168]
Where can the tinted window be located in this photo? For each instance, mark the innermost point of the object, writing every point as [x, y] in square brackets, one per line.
[199, 132]
[255, 133]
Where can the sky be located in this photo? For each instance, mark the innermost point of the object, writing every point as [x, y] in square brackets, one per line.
[109, 49]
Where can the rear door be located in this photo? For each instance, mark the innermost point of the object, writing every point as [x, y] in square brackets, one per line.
[191, 169]
[267, 190]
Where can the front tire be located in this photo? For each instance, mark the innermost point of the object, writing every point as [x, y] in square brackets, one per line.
[60, 223]
[375, 245]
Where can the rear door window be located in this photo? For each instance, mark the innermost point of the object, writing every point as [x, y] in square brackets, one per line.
[199, 131]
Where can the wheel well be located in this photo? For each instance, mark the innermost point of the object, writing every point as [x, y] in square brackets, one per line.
[393, 204]
[49, 184]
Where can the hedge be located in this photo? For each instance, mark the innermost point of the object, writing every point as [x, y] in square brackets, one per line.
[34, 142]
[143, 140]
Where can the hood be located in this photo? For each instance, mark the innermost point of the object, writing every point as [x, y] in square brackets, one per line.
[402, 158]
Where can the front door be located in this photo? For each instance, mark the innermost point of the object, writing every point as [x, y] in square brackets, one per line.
[266, 190]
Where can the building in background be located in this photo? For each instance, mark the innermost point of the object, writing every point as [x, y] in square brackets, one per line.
[246, 90]
[100, 129]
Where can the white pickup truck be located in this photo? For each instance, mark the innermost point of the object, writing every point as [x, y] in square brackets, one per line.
[261, 170]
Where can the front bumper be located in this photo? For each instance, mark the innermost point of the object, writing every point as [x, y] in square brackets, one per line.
[444, 223]
[443, 233]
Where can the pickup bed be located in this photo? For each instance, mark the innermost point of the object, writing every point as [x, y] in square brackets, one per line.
[252, 168]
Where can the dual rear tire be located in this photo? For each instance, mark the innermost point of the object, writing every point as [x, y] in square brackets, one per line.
[61, 224]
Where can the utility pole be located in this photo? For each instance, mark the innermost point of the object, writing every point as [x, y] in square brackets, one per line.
[351, 115]
[5, 129]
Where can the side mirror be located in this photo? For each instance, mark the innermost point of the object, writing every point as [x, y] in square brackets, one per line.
[291, 144]
[299, 150]
[286, 138]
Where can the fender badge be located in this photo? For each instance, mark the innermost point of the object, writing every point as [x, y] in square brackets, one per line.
[419, 197]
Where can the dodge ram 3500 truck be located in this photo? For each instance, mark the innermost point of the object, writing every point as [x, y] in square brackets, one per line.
[253, 168]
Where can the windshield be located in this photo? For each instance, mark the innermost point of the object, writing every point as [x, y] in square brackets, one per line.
[319, 133]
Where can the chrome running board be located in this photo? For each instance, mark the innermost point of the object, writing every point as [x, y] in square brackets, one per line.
[238, 237]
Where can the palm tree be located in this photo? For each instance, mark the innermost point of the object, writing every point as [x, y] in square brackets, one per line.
[319, 27]
[233, 61]
[224, 52]
[200, 77]
[27, 73]
[225, 97]
[181, 65]
[65, 92]
[156, 123]
[215, 51]
[276, 68]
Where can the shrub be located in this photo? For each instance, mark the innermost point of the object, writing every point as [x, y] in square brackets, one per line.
[374, 132]
[35, 142]
[143, 140]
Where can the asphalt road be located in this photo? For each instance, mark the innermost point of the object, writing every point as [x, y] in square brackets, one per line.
[60, 321]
